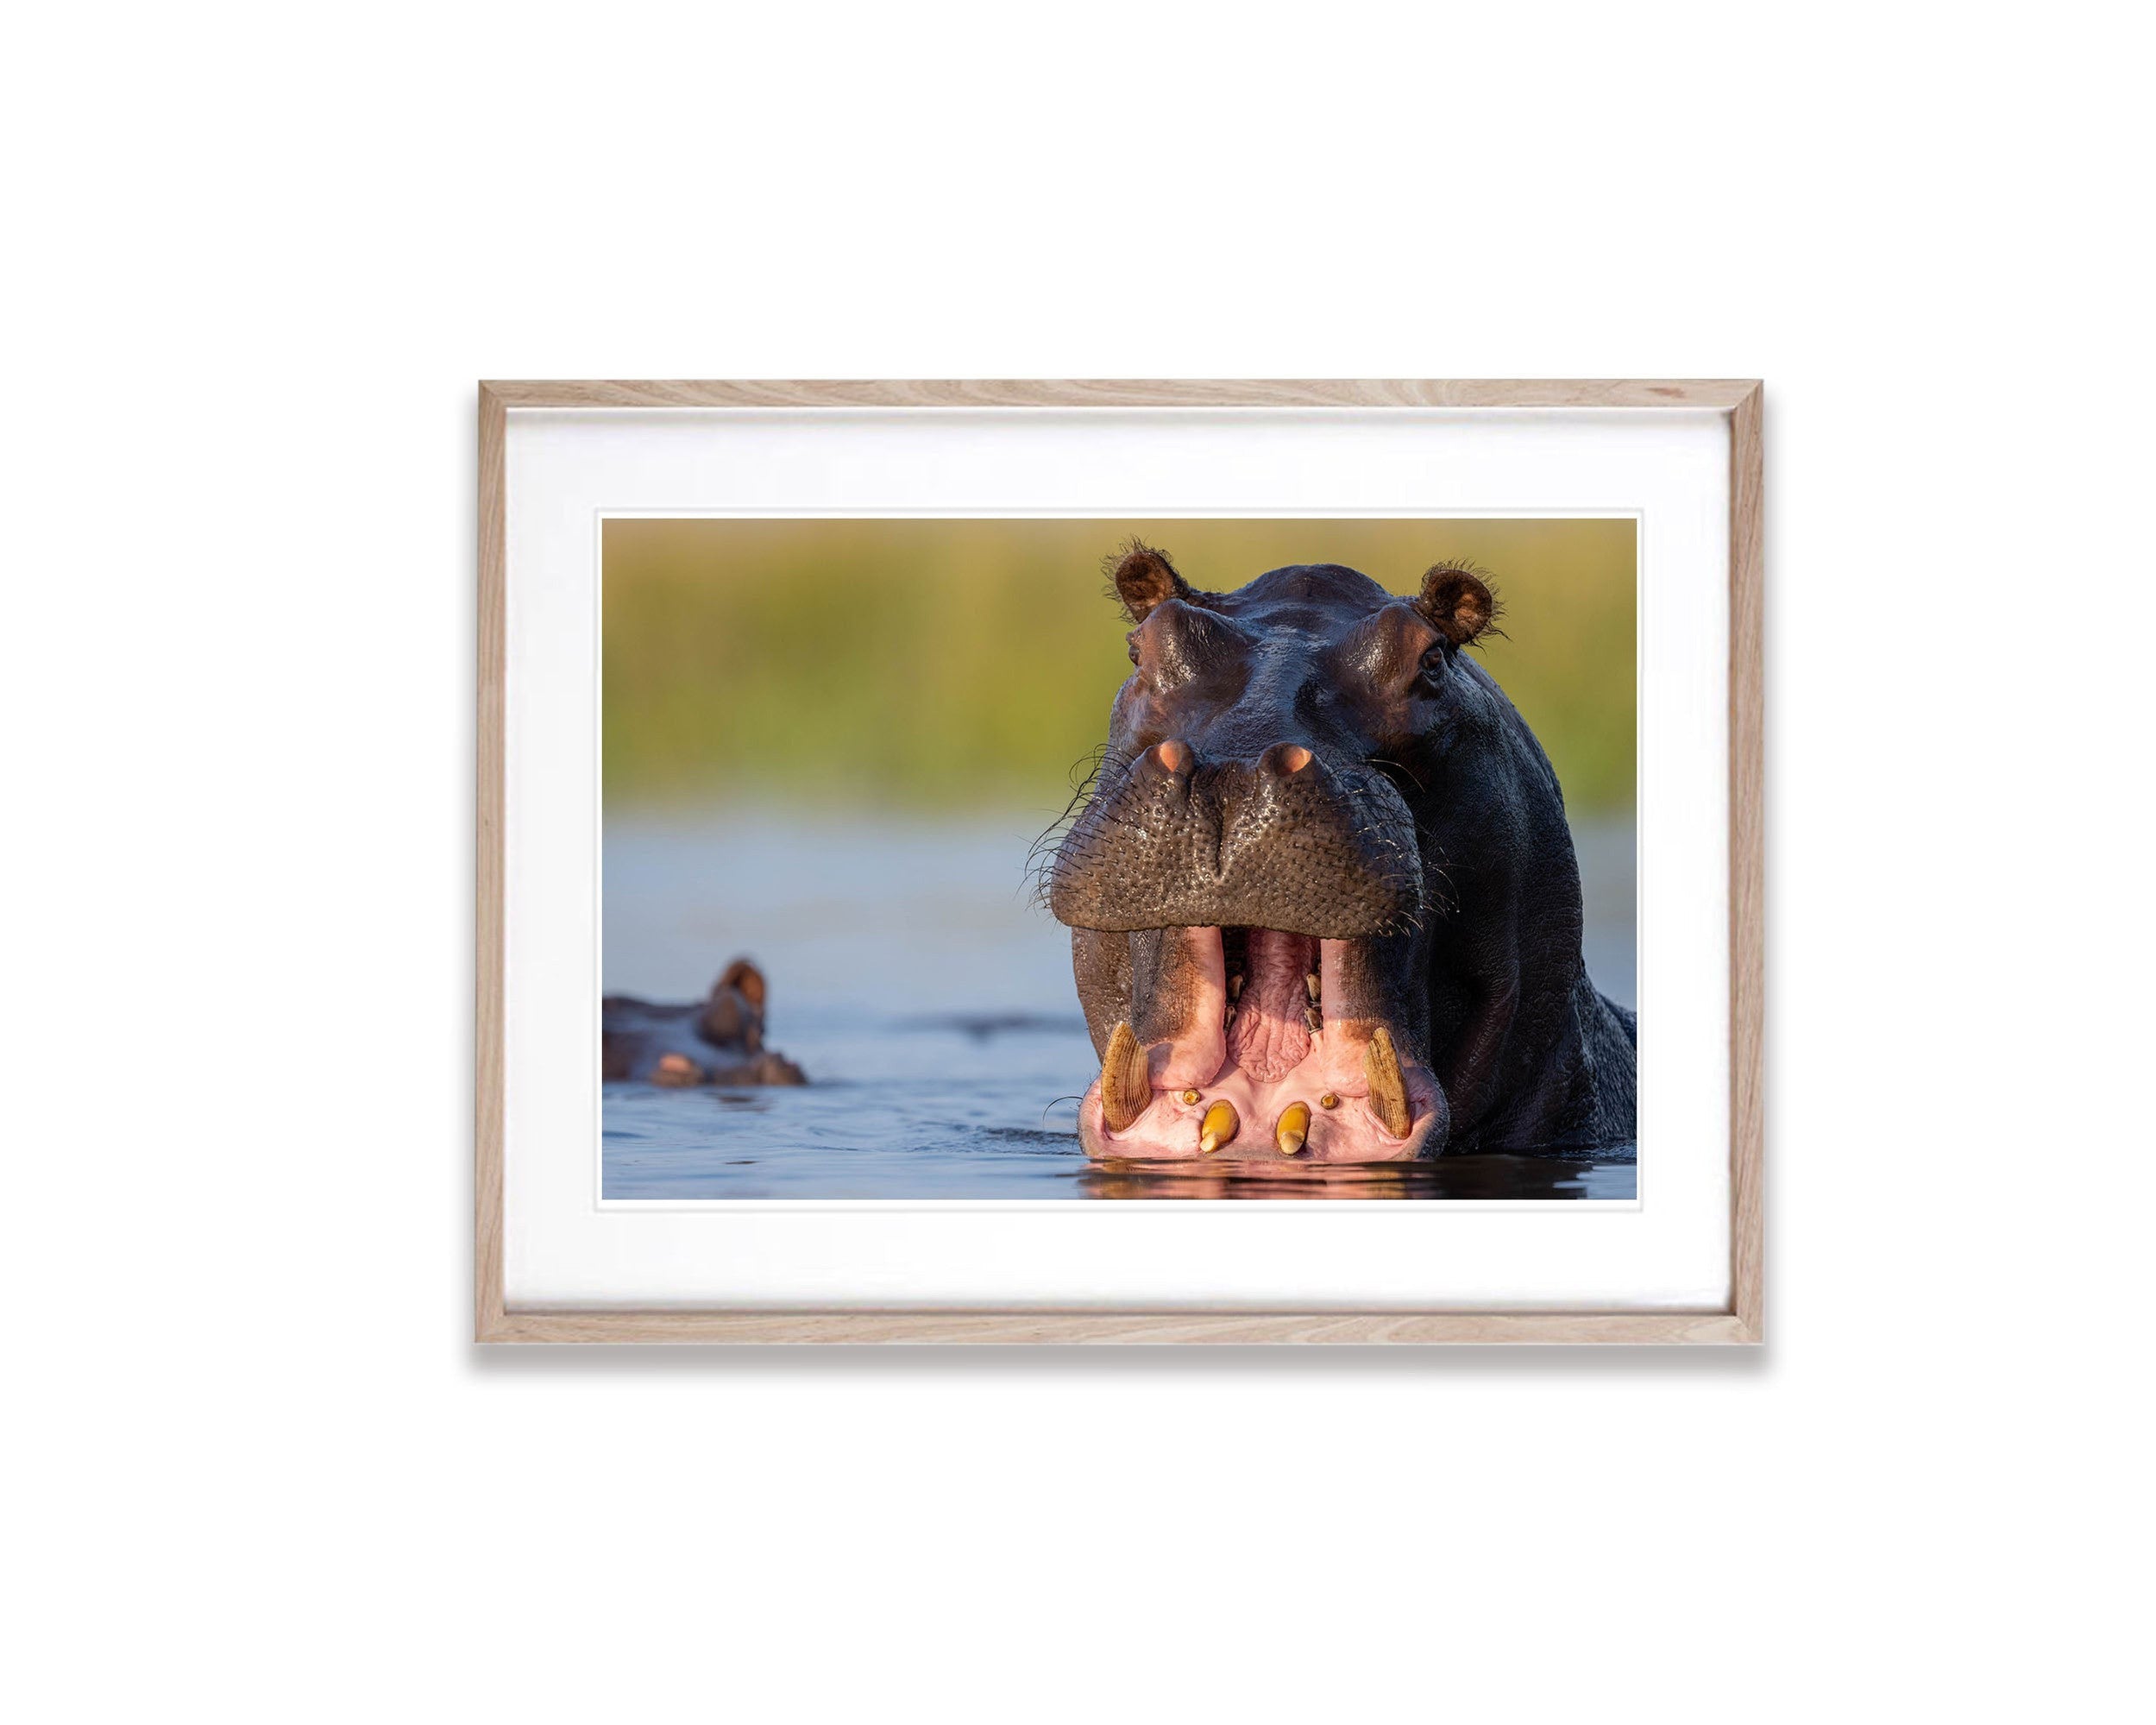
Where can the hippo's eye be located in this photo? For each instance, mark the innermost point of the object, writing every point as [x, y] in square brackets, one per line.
[1130, 646]
[1433, 666]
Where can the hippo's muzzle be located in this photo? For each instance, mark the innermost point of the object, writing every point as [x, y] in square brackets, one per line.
[1272, 912]
[1285, 841]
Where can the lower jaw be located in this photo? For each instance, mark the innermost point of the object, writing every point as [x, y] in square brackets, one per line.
[1171, 1129]
[1320, 1110]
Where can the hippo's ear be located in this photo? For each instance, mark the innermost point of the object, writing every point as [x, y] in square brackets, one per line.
[1143, 578]
[1457, 601]
[746, 978]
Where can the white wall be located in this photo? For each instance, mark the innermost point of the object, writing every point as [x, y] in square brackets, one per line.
[258, 257]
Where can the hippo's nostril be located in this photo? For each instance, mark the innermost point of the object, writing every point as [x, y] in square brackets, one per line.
[1285, 758]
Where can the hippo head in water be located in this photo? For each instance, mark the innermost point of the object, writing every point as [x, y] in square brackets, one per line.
[1323, 899]
[717, 1040]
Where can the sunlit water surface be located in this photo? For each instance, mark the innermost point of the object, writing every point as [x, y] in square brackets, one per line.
[933, 1007]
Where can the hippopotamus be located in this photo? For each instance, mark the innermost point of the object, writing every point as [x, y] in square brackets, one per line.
[716, 1041]
[1323, 899]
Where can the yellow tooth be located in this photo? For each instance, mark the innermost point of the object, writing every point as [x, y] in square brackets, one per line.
[1126, 1090]
[1293, 1128]
[1219, 1125]
[1309, 985]
[1388, 1089]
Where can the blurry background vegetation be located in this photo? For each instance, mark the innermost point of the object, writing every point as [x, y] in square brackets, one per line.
[949, 664]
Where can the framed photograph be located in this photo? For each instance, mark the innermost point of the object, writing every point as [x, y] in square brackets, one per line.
[1091, 861]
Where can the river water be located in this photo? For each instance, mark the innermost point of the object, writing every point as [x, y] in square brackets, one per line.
[932, 1005]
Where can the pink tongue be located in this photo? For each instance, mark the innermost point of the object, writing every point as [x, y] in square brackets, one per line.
[1269, 1038]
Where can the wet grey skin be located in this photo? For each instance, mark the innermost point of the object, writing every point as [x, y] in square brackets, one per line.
[1313, 774]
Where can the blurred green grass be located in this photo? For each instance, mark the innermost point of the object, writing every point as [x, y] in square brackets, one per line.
[947, 664]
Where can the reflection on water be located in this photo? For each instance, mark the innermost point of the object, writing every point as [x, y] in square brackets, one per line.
[934, 1009]
[1609, 1176]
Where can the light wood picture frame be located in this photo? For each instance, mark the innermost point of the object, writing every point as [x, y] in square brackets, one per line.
[1739, 400]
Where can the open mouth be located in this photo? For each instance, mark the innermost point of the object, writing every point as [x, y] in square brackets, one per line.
[1261, 1070]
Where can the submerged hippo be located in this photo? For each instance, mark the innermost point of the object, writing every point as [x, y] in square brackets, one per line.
[1322, 898]
[719, 1041]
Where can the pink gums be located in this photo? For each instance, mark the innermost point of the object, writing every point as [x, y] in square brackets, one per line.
[1266, 1061]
